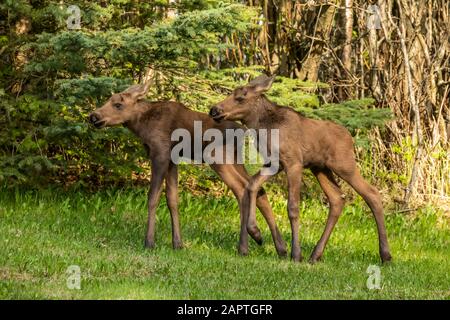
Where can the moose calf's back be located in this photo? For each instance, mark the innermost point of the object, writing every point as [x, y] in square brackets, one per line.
[159, 120]
[323, 146]
[321, 142]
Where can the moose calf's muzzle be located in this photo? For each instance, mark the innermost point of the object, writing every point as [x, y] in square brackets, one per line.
[95, 120]
[216, 113]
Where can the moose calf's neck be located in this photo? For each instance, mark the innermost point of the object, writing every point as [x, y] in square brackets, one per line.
[157, 120]
[138, 124]
[264, 114]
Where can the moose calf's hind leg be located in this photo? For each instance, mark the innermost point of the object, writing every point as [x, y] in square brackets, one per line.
[172, 203]
[263, 205]
[336, 202]
[373, 199]
[294, 176]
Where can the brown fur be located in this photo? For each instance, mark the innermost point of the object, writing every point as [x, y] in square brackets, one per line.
[322, 146]
[153, 123]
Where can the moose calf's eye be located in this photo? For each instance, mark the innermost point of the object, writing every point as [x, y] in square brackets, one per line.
[240, 95]
[118, 106]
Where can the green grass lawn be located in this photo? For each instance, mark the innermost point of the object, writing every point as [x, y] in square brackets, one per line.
[42, 234]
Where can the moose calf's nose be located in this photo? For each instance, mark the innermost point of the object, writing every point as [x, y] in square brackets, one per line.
[215, 111]
[93, 118]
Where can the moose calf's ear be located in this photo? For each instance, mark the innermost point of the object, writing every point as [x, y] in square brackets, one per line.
[261, 84]
[141, 91]
[145, 88]
[138, 91]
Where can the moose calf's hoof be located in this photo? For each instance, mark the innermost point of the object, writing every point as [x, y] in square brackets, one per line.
[255, 233]
[315, 256]
[177, 245]
[282, 253]
[280, 246]
[259, 241]
[243, 251]
[296, 258]
[386, 257]
[313, 259]
[149, 244]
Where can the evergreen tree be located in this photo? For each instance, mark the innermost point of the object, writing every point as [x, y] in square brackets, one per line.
[52, 77]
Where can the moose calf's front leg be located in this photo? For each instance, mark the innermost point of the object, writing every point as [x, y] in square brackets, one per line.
[154, 195]
[249, 202]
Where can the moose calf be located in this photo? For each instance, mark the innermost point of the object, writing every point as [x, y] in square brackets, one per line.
[153, 123]
[322, 146]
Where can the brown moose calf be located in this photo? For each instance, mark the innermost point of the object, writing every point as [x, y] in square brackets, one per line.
[153, 123]
[322, 146]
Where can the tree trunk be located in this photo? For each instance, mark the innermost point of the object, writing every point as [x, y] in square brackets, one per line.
[345, 92]
[417, 133]
[348, 31]
[324, 23]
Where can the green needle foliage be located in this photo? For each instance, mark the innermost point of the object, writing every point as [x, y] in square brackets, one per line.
[53, 77]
